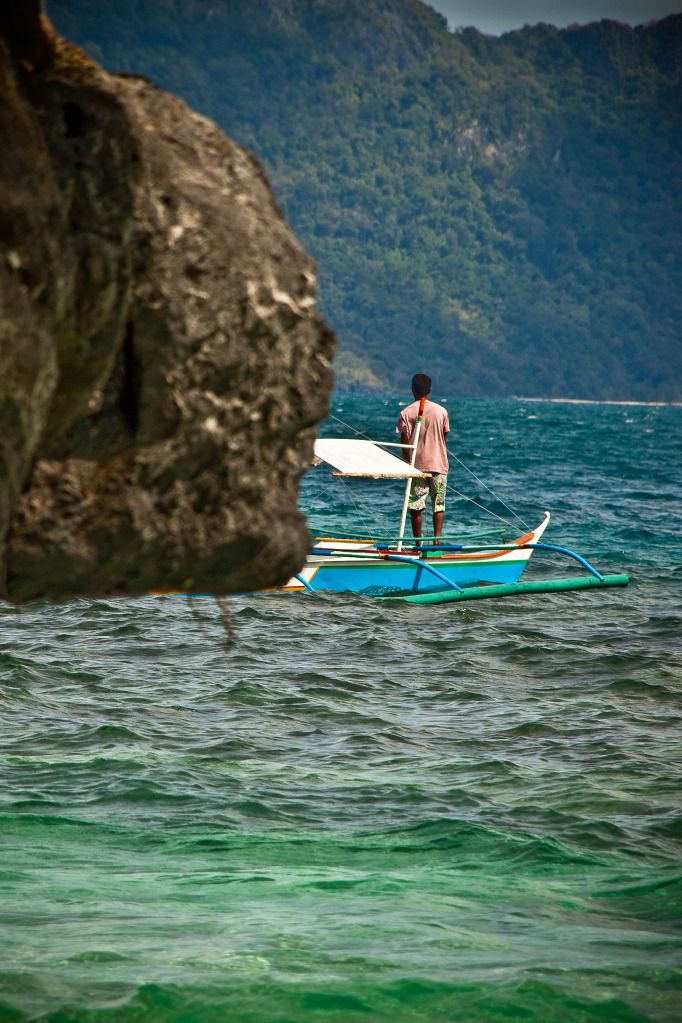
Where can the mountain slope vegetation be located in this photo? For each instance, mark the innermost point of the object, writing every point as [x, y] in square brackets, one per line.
[503, 213]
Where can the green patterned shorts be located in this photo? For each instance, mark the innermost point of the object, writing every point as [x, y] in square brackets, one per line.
[435, 485]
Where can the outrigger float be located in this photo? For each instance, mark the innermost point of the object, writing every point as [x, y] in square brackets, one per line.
[450, 569]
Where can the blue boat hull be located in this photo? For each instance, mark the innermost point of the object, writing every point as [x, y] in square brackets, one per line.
[384, 577]
[341, 567]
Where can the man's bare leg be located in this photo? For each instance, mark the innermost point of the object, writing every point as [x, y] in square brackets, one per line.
[438, 523]
[416, 517]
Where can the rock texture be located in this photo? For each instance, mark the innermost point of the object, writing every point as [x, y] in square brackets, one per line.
[162, 362]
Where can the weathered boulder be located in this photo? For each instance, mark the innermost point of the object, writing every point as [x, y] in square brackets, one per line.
[162, 361]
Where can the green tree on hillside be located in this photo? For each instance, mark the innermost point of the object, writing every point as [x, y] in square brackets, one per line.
[505, 211]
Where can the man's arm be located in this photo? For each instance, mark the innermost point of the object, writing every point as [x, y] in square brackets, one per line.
[401, 428]
[407, 452]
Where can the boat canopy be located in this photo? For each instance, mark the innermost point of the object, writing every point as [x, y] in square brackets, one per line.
[362, 458]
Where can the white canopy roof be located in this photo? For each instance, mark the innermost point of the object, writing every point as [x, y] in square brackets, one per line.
[362, 458]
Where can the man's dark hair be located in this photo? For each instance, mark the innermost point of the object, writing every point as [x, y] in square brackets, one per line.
[421, 385]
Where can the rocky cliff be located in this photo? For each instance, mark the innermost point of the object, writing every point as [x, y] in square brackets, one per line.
[162, 361]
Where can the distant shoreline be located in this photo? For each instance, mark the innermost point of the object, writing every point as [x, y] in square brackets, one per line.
[598, 401]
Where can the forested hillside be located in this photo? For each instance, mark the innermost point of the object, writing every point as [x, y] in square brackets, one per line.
[502, 213]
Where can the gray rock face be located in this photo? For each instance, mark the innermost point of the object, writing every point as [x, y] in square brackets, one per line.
[162, 361]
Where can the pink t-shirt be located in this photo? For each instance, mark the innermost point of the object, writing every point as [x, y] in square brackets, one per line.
[431, 453]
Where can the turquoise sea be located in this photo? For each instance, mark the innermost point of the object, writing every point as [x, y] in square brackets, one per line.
[362, 811]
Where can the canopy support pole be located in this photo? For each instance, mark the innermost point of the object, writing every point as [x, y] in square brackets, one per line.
[408, 483]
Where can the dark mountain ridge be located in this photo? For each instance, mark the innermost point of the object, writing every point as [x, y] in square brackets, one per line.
[502, 211]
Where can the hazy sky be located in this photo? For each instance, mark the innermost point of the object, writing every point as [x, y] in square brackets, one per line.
[497, 16]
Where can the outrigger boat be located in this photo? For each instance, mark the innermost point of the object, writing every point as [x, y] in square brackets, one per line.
[436, 571]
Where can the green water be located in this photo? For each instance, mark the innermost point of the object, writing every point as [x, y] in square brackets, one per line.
[359, 810]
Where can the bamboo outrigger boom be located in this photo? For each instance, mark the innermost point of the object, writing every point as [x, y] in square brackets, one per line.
[583, 582]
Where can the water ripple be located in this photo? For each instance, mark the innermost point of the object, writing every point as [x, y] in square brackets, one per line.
[459, 812]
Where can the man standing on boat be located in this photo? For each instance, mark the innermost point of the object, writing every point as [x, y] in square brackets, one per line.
[431, 456]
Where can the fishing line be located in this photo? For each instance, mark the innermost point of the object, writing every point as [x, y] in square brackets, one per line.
[464, 497]
[490, 491]
[348, 426]
[362, 511]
